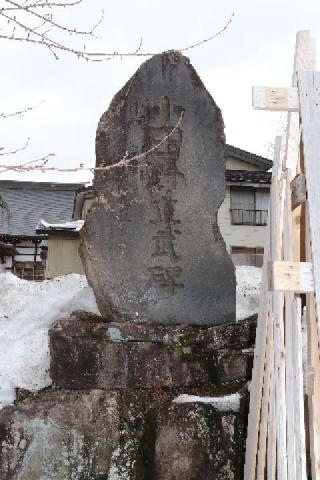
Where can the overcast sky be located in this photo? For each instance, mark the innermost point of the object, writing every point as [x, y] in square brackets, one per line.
[257, 49]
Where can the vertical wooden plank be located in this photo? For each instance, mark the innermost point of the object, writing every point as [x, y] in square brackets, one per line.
[289, 297]
[279, 349]
[298, 393]
[268, 374]
[276, 230]
[304, 59]
[309, 88]
[313, 364]
[272, 441]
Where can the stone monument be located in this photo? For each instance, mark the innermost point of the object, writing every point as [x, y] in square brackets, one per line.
[156, 388]
[151, 246]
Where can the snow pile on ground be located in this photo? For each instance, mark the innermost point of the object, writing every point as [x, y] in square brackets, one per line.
[27, 310]
[227, 403]
[248, 291]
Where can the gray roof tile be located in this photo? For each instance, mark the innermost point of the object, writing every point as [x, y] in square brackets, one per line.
[27, 202]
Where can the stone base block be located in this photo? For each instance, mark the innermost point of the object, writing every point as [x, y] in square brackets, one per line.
[196, 441]
[87, 352]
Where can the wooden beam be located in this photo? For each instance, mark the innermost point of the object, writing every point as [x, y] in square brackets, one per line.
[291, 277]
[277, 99]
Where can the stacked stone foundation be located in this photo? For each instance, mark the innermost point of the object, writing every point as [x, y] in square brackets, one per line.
[115, 410]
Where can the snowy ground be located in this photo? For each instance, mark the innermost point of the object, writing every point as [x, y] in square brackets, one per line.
[28, 309]
[248, 290]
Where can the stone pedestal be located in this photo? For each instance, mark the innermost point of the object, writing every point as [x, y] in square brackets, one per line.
[133, 402]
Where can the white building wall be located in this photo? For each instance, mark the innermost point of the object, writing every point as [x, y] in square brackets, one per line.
[234, 164]
[238, 235]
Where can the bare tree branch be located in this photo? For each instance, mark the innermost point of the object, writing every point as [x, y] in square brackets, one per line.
[20, 17]
[45, 4]
[48, 19]
[27, 166]
[205, 40]
[13, 152]
[34, 165]
[20, 113]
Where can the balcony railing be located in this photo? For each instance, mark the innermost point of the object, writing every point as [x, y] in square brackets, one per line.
[248, 217]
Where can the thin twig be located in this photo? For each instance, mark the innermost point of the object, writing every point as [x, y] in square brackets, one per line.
[13, 152]
[205, 40]
[24, 168]
[20, 112]
[29, 166]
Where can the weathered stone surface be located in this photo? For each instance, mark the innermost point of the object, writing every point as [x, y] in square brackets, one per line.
[232, 335]
[151, 246]
[117, 435]
[196, 441]
[95, 354]
[59, 436]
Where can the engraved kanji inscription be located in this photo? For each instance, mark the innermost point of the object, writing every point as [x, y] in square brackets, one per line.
[165, 236]
[164, 209]
[164, 243]
[166, 277]
[162, 177]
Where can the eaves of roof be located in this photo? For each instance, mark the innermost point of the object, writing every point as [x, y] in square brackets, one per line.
[262, 163]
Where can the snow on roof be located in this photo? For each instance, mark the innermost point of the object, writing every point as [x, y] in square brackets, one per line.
[74, 225]
[225, 403]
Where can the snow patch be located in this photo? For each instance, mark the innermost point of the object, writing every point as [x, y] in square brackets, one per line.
[248, 291]
[74, 225]
[226, 403]
[27, 310]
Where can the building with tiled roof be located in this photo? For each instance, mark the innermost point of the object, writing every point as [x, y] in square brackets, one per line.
[22, 206]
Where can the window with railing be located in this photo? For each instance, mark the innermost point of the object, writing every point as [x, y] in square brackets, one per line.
[249, 206]
[248, 217]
